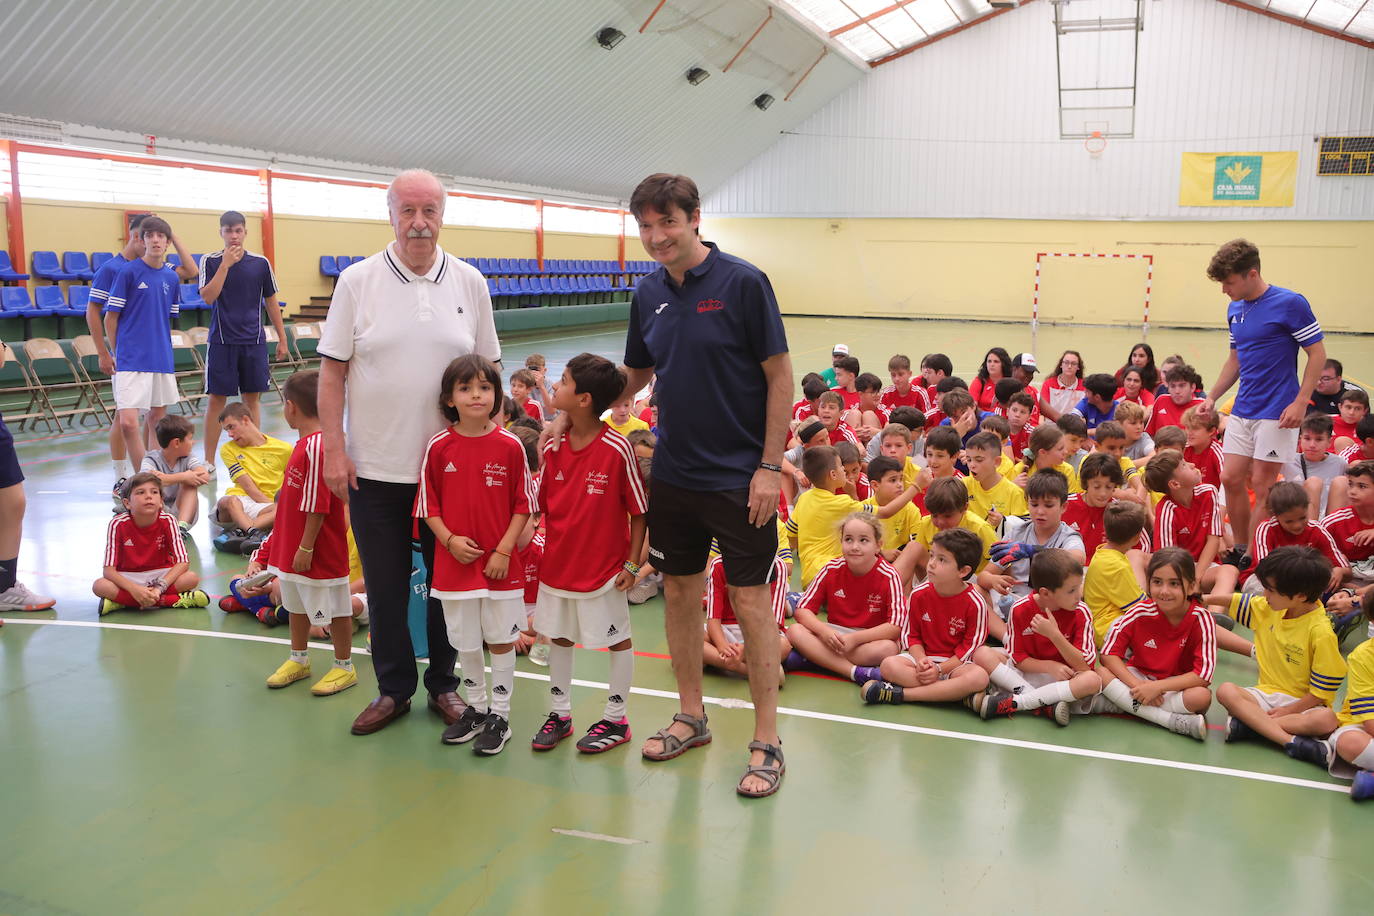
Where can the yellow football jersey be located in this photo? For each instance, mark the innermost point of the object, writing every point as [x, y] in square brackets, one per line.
[1109, 589]
[1359, 685]
[1004, 496]
[815, 523]
[1296, 655]
[926, 531]
[264, 464]
[900, 529]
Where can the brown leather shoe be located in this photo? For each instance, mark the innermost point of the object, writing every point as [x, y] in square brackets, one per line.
[380, 713]
[448, 705]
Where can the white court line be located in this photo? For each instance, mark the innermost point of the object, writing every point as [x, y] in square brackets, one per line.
[601, 837]
[732, 703]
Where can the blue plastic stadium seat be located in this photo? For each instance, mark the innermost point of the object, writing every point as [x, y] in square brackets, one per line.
[45, 267]
[328, 266]
[503, 266]
[76, 262]
[98, 258]
[491, 288]
[78, 297]
[7, 271]
[174, 259]
[191, 300]
[359, 257]
[503, 287]
[197, 258]
[15, 301]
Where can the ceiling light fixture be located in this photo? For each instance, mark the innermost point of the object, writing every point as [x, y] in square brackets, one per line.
[696, 76]
[763, 101]
[609, 37]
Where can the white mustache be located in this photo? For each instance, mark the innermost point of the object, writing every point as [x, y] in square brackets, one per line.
[425, 233]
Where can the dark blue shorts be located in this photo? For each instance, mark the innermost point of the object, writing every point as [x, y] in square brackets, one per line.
[234, 368]
[9, 461]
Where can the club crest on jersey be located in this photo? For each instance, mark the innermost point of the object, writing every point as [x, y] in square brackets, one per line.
[957, 625]
[597, 482]
[494, 474]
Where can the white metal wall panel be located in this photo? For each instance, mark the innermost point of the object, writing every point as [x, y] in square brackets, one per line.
[967, 126]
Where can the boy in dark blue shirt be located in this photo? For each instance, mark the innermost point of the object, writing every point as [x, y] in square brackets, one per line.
[1099, 404]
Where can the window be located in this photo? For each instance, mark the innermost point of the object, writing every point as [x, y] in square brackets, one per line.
[106, 181]
[591, 222]
[315, 198]
[489, 214]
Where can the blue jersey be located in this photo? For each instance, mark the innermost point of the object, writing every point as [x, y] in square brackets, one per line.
[707, 340]
[1092, 417]
[237, 316]
[1266, 335]
[104, 279]
[146, 299]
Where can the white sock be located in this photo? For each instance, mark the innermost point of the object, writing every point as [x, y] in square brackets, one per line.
[1054, 692]
[560, 679]
[302, 657]
[1173, 702]
[474, 678]
[344, 663]
[1120, 695]
[1008, 678]
[123, 467]
[1365, 758]
[502, 682]
[622, 673]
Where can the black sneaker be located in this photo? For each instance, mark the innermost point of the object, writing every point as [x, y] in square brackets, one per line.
[1312, 750]
[998, 703]
[495, 734]
[1235, 557]
[554, 730]
[881, 691]
[466, 728]
[1237, 730]
[603, 736]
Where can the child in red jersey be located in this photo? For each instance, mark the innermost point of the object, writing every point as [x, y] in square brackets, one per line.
[1050, 647]
[523, 383]
[1159, 657]
[145, 559]
[308, 549]
[1363, 449]
[868, 416]
[724, 647]
[1288, 525]
[593, 501]
[846, 374]
[901, 393]
[1352, 528]
[1354, 407]
[1189, 516]
[1204, 451]
[813, 386]
[1020, 417]
[829, 409]
[854, 470]
[476, 495]
[864, 604]
[946, 622]
[1182, 381]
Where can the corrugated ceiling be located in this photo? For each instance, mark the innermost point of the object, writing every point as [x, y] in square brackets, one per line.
[517, 92]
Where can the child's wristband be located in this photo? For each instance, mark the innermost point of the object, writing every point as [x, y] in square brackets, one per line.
[631, 568]
[304, 549]
[500, 554]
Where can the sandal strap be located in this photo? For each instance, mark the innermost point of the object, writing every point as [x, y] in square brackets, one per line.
[698, 725]
[671, 742]
[772, 775]
[770, 750]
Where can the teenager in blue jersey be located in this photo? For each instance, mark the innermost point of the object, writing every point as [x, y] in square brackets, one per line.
[1267, 326]
[144, 300]
[239, 284]
[100, 294]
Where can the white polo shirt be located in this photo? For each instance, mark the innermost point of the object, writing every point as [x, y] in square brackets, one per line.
[398, 331]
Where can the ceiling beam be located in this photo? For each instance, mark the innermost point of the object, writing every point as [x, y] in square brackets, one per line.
[1320, 30]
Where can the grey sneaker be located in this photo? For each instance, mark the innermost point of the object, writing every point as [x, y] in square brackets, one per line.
[19, 597]
[1190, 725]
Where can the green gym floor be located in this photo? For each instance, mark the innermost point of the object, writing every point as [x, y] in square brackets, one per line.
[147, 769]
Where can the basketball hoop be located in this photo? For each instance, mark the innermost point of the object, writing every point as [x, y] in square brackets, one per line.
[1095, 144]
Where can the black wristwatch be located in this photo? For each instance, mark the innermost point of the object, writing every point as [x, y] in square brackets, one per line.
[764, 465]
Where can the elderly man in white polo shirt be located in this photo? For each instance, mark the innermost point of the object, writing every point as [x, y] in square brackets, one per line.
[396, 321]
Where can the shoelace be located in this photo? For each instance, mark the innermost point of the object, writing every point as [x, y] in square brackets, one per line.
[550, 726]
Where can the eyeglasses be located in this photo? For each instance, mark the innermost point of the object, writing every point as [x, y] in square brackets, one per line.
[1327, 378]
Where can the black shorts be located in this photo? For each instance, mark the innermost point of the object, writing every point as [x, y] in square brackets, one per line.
[682, 523]
[9, 461]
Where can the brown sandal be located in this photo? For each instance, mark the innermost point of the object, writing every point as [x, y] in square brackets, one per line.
[770, 770]
[673, 746]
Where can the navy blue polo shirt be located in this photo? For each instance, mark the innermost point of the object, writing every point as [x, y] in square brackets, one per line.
[706, 341]
[237, 316]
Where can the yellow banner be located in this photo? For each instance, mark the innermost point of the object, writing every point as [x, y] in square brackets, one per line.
[1237, 179]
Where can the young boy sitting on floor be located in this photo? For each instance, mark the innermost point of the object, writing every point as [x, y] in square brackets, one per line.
[1139, 445]
[1111, 440]
[946, 622]
[1204, 452]
[991, 496]
[1353, 407]
[1351, 745]
[1115, 581]
[1287, 526]
[725, 648]
[180, 472]
[885, 477]
[1300, 664]
[145, 559]
[1046, 494]
[1314, 467]
[256, 463]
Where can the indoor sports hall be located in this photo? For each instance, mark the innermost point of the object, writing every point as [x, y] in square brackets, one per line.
[913, 177]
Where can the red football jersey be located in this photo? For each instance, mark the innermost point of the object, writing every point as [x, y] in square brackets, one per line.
[1147, 641]
[1144, 398]
[303, 491]
[843, 432]
[529, 559]
[1355, 453]
[1342, 526]
[1270, 535]
[950, 627]
[476, 484]
[1208, 461]
[1019, 441]
[1075, 624]
[533, 409]
[858, 602]
[916, 396]
[850, 398]
[1341, 429]
[718, 594]
[1167, 413]
[131, 548]
[803, 409]
[1087, 521]
[1189, 527]
[586, 495]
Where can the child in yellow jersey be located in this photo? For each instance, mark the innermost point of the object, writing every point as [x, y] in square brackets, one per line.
[814, 528]
[1111, 440]
[991, 496]
[885, 477]
[620, 419]
[1114, 583]
[256, 463]
[1351, 746]
[1300, 664]
[1000, 428]
[895, 443]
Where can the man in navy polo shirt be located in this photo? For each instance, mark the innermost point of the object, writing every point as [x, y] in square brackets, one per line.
[238, 283]
[707, 326]
[1268, 325]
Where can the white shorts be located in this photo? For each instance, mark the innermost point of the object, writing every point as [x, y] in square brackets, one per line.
[321, 603]
[250, 508]
[597, 621]
[496, 620]
[937, 659]
[1262, 440]
[1270, 701]
[733, 633]
[143, 577]
[1039, 679]
[1338, 766]
[144, 390]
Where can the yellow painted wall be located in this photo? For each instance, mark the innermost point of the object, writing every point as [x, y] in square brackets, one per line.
[985, 268]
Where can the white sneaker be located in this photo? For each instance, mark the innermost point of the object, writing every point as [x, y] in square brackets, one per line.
[1190, 725]
[19, 597]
